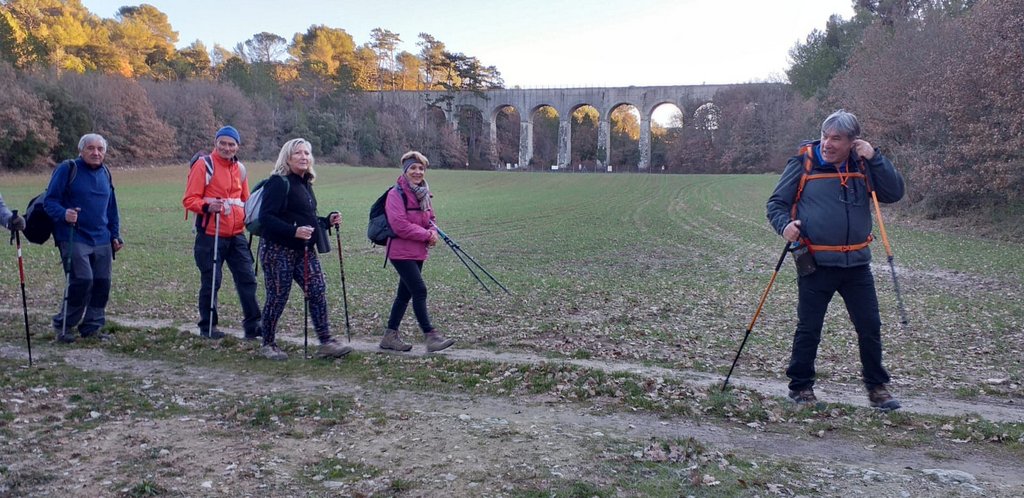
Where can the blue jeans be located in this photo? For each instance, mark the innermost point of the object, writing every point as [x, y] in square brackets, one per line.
[856, 285]
[410, 287]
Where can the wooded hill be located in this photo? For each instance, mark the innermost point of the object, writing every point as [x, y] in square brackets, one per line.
[936, 83]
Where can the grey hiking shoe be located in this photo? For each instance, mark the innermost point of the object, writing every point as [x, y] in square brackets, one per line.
[803, 397]
[272, 352]
[436, 342]
[332, 349]
[880, 398]
[393, 340]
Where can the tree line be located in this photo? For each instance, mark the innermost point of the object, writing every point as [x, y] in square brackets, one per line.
[70, 71]
[936, 83]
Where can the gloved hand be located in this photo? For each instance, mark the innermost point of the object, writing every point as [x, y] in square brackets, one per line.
[17, 224]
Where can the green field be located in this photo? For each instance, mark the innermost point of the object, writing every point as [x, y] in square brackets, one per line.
[657, 268]
[627, 290]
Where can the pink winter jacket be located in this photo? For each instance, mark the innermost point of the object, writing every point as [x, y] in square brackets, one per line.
[410, 224]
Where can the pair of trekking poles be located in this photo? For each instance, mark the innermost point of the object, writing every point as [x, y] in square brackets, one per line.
[778, 265]
[305, 291]
[305, 285]
[464, 256]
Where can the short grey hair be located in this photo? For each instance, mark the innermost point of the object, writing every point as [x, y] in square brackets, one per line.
[91, 137]
[841, 122]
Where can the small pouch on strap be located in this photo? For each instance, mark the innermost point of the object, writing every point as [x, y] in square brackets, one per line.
[804, 259]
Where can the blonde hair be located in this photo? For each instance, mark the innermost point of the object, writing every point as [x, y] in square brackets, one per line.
[281, 166]
[415, 154]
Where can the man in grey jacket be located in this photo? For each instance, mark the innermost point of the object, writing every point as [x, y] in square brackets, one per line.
[822, 204]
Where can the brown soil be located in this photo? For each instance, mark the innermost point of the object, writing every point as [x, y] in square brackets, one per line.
[451, 444]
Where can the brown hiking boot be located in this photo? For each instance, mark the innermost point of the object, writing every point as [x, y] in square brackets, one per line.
[803, 397]
[880, 398]
[393, 340]
[332, 349]
[436, 342]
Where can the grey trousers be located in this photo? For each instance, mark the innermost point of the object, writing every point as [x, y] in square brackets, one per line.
[88, 288]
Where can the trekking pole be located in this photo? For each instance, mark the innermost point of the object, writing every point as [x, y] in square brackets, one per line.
[344, 292]
[305, 301]
[213, 287]
[458, 249]
[889, 257]
[451, 244]
[764, 296]
[256, 260]
[66, 263]
[16, 236]
[888, 249]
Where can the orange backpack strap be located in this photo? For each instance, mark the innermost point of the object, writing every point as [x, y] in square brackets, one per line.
[807, 151]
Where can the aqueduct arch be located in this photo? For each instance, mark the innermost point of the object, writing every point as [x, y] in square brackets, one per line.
[564, 101]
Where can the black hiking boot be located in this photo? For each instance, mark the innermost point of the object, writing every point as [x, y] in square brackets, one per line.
[880, 398]
[803, 397]
[64, 338]
[211, 334]
[98, 335]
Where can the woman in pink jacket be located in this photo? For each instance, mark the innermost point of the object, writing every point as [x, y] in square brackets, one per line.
[411, 218]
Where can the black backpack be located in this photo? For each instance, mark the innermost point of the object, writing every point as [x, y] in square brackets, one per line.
[378, 230]
[38, 224]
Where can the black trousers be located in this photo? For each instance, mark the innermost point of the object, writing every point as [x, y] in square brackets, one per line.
[857, 287]
[410, 287]
[235, 252]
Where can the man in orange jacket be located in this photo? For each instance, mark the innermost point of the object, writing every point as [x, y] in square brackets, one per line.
[217, 197]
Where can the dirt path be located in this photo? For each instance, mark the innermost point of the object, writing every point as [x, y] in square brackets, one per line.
[480, 445]
[430, 432]
[996, 410]
[1010, 410]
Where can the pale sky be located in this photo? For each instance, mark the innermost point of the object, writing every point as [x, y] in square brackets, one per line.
[541, 43]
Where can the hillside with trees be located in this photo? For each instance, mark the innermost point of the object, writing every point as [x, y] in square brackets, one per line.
[937, 84]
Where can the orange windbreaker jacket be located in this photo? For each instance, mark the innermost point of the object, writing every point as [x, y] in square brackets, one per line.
[229, 183]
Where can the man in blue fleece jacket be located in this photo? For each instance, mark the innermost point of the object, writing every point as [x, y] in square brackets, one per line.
[80, 200]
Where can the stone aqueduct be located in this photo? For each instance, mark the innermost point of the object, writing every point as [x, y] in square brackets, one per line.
[564, 101]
